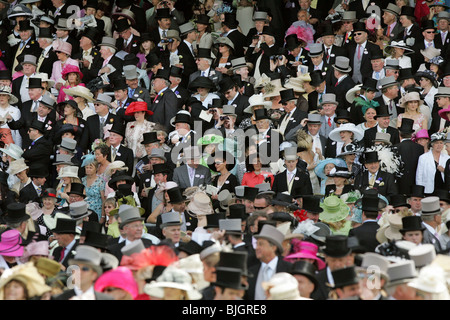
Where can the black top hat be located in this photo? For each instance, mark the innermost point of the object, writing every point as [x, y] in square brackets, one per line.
[268, 30]
[417, 191]
[282, 217]
[64, 226]
[336, 246]
[35, 83]
[355, 245]
[399, 200]
[428, 24]
[202, 82]
[38, 170]
[124, 3]
[163, 74]
[150, 137]
[182, 118]
[202, 19]
[119, 176]
[5, 74]
[191, 247]
[412, 223]
[77, 188]
[130, 59]
[250, 193]
[152, 60]
[38, 125]
[226, 84]
[407, 126]
[25, 25]
[261, 224]
[370, 84]
[119, 83]
[122, 25]
[306, 269]
[316, 78]
[359, 26]
[212, 220]
[371, 156]
[342, 114]
[96, 239]
[175, 195]
[345, 277]
[92, 226]
[311, 204]
[91, 4]
[382, 111]
[229, 278]
[377, 54]
[204, 53]
[118, 128]
[370, 204]
[162, 13]
[216, 103]
[405, 73]
[292, 42]
[407, 11]
[282, 199]
[327, 30]
[442, 194]
[45, 33]
[234, 259]
[237, 211]
[261, 114]
[176, 72]
[16, 212]
[287, 95]
[230, 20]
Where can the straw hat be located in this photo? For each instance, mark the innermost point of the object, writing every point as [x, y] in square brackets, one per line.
[79, 91]
[200, 204]
[17, 166]
[68, 172]
[13, 150]
[273, 88]
[431, 279]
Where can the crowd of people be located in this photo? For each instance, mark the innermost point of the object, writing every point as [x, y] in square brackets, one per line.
[224, 150]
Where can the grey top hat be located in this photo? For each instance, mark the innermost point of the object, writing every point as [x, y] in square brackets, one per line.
[329, 98]
[315, 49]
[173, 34]
[229, 110]
[422, 255]
[392, 64]
[342, 64]
[79, 210]
[430, 205]
[443, 92]
[273, 235]
[129, 214]
[170, 219]
[371, 259]
[443, 15]
[130, 72]
[29, 58]
[314, 118]
[401, 272]
[392, 8]
[290, 153]
[231, 226]
[89, 256]
[63, 159]
[48, 101]
[108, 42]
[69, 144]
[186, 28]
[260, 15]
[157, 153]
[133, 247]
[349, 16]
[239, 191]
[387, 82]
[103, 98]
[63, 24]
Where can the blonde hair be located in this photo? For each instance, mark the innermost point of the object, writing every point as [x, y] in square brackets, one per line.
[418, 106]
[304, 140]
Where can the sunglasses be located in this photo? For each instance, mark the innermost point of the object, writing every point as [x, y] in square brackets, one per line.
[259, 208]
[358, 33]
[429, 32]
[341, 122]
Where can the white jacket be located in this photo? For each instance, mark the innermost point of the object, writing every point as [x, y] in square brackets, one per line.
[426, 170]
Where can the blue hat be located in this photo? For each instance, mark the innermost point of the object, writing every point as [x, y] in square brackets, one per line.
[321, 166]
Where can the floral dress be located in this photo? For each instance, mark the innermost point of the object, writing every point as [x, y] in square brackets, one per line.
[93, 195]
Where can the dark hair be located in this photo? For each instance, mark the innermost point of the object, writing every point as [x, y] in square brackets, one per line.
[104, 149]
[371, 214]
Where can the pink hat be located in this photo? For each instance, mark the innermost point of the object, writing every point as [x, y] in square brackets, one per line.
[421, 134]
[69, 69]
[308, 250]
[120, 277]
[63, 46]
[39, 248]
[443, 113]
[10, 244]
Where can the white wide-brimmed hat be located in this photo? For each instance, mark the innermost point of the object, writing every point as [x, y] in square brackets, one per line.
[13, 150]
[358, 134]
[80, 91]
[7, 90]
[68, 172]
[257, 100]
[351, 94]
[431, 279]
[200, 204]
[17, 166]
[44, 78]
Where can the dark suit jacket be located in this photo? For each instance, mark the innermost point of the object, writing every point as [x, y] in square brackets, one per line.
[410, 153]
[70, 255]
[115, 249]
[141, 93]
[29, 194]
[92, 129]
[366, 234]
[40, 152]
[295, 120]
[341, 89]
[213, 75]
[66, 295]
[47, 63]
[118, 64]
[126, 155]
[164, 108]
[414, 36]
[370, 134]
[282, 266]
[389, 188]
[322, 290]
[31, 47]
[394, 33]
[91, 72]
[301, 182]
[241, 102]
[366, 66]
[264, 66]
[447, 175]
[132, 47]
[121, 112]
[188, 61]
[239, 42]
[183, 95]
[428, 237]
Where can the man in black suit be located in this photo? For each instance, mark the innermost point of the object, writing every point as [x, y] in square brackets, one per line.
[260, 19]
[60, 9]
[428, 40]
[159, 29]
[64, 30]
[298, 55]
[47, 56]
[442, 39]
[383, 119]
[133, 229]
[40, 148]
[409, 152]
[139, 14]
[32, 192]
[20, 85]
[293, 177]
[90, 58]
[337, 255]
[231, 92]
[107, 50]
[318, 82]
[188, 35]
[375, 178]
[344, 82]
[317, 59]
[183, 94]
[165, 104]
[366, 233]
[64, 233]
[204, 61]
[230, 28]
[390, 18]
[127, 41]
[122, 100]
[95, 123]
[27, 45]
[268, 251]
[119, 151]
[293, 114]
[411, 34]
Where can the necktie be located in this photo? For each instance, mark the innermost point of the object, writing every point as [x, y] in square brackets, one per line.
[155, 98]
[328, 54]
[359, 52]
[388, 33]
[191, 175]
[39, 190]
[102, 124]
[372, 180]
[120, 104]
[114, 153]
[131, 93]
[289, 177]
[35, 106]
[320, 97]
[266, 274]
[22, 43]
[383, 130]
[329, 122]
[443, 36]
[61, 258]
[164, 33]
[346, 37]
[377, 75]
[203, 73]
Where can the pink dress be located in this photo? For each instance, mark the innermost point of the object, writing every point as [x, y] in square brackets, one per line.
[62, 95]
[417, 123]
[57, 70]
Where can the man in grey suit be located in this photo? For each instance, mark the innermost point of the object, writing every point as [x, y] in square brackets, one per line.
[329, 105]
[192, 173]
[135, 91]
[432, 218]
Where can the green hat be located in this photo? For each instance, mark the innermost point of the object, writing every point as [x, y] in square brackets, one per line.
[210, 139]
[334, 209]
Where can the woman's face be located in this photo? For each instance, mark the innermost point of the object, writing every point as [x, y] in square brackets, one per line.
[90, 169]
[413, 106]
[15, 290]
[370, 114]
[147, 45]
[328, 168]
[339, 181]
[350, 158]
[72, 77]
[161, 137]
[108, 207]
[4, 99]
[201, 27]
[257, 165]
[220, 164]
[48, 202]
[223, 49]
[399, 52]
[68, 110]
[202, 91]
[438, 145]
[346, 136]
[22, 175]
[434, 68]
[139, 115]
[99, 156]
[66, 180]
[209, 149]
[423, 141]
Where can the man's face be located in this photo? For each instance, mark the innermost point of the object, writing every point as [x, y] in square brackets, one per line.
[230, 93]
[265, 251]
[101, 108]
[262, 125]
[133, 84]
[321, 87]
[90, 11]
[372, 167]
[413, 236]
[164, 23]
[43, 111]
[173, 233]
[259, 25]
[229, 122]
[416, 204]
[443, 25]
[383, 122]
[349, 291]
[61, 34]
[329, 109]
[62, 238]
[392, 73]
[133, 230]
[317, 60]
[228, 294]
[159, 84]
[360, 37]
[120, 94]
[75, 198]
[305, 4]
[443, 102]
[388, 18]
[115, 139]
[428, 34]
[25, 35]
[405, 21]
[104, 52]
[328, 40]
[179, 207]
[337, 263]
[149, 147]
[202, 64]
[28, 69]
[260, 204]
[33, 133]
[291, 164]
[126, 34]
[159, 177]
[377, 64]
